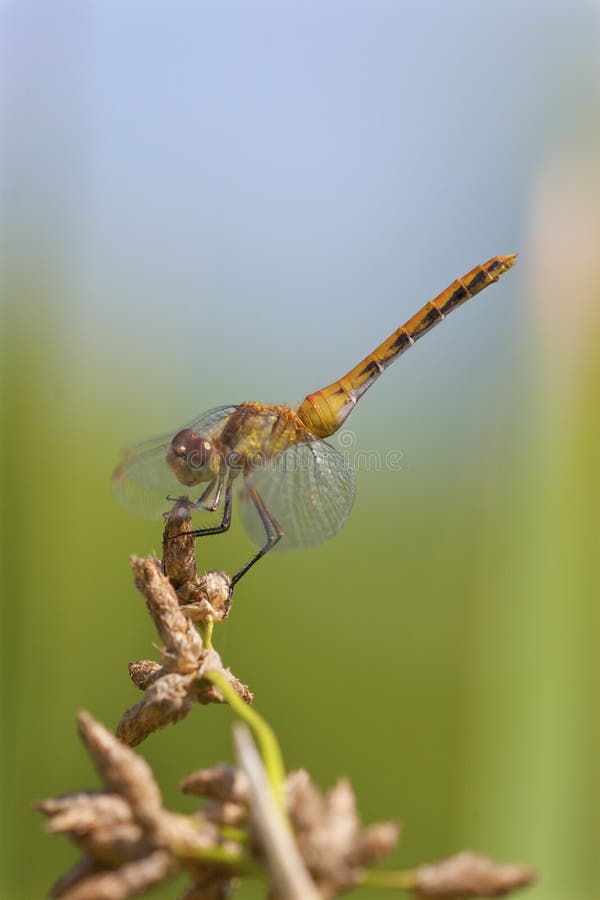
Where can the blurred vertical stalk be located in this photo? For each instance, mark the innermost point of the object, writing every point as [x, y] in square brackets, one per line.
[534, 732]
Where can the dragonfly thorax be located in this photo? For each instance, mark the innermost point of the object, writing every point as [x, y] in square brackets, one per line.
[192, 458]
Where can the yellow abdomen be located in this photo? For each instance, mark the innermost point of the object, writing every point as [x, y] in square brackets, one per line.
[324, 411]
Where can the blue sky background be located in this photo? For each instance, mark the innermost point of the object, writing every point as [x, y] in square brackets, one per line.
[241, 199]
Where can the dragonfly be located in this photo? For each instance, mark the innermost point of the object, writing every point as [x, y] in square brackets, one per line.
[295, 488]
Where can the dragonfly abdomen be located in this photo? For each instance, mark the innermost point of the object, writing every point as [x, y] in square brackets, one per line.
[324, 411]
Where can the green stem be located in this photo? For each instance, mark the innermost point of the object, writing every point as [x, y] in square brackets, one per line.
[231, 833]
[240, 863]
[403, 881]
[264, 734]
[206, 632]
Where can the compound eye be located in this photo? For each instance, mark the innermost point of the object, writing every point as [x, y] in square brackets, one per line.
[189, 446]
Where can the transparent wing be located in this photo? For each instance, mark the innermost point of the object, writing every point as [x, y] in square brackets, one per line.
[144, 480]
[310, 490]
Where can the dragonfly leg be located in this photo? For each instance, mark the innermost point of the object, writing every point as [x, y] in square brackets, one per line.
[216, 529]
[273, 531]
[225, 521]
[201, 503]
[214, 505]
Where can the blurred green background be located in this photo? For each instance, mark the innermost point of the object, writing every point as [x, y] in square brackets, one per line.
[213, 202]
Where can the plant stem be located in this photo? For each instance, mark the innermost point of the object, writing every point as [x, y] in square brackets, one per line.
[264, 734]
[231, 833]
[403, 881]
[206, 632]
[239, 862]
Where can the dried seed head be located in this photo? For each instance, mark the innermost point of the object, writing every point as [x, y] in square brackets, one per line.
[122, 771]
[130, 841]
[179, 546]
[222, 782]
[375, 842]
[144, 672]
[470, 875]
[117, 884]
[85, 811]
[183, 644]
[173, 685]
[329, 835]
[208, 599]
[168, 700]
[225, 813]
[82, 869]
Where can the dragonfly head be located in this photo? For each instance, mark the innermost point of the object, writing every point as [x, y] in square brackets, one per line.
[192, 458]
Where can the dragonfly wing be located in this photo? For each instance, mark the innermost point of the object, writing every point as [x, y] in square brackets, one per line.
[144, 480]
[310, 490]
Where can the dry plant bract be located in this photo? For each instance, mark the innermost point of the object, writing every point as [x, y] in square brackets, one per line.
[254, 820]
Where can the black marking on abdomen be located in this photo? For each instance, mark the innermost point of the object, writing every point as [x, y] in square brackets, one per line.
[371, 367]
[459, 294]
[481, 276]
[429, 319]
[400, 342]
